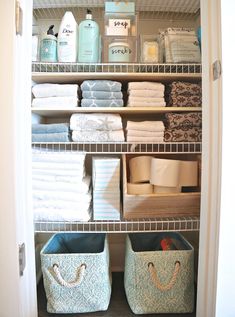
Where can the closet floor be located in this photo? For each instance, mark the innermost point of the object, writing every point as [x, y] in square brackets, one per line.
[118, 305]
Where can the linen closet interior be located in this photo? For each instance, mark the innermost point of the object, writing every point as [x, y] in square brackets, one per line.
[175, 211]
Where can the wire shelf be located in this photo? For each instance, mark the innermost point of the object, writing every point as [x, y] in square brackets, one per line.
[38, 67]
[122, 147]
[122, 226]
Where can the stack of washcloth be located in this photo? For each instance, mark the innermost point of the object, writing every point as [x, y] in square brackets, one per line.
[96, 127]
[61, 190]
[101, 93]
[55, 132]
[145, 131]
[184, 94]
[146, 94]
[55, 96]
[186, 127]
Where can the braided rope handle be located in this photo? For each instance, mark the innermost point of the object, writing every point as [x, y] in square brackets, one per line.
[156, 281]
[77, 282]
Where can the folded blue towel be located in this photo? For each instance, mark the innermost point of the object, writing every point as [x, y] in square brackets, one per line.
[50, 128]
[102, 103]
[101, 85]
[50, 137]
[102, 94]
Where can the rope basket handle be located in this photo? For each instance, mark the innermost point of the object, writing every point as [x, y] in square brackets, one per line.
[155, 279]
[77, 282]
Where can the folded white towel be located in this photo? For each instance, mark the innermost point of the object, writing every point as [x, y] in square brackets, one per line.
[95, 121]
[58, 178]
[146, 104]
[53, 214]
[77, 167]
[61, 204]
[146, 85]
[65, 196]
[82, 188]
[60, 172]
[98, 136]
[146, 93]
[145, 133]
[54, 90]
[146, 99]
[146, 125]
[52, 102]
[58, 157]
[144, 139]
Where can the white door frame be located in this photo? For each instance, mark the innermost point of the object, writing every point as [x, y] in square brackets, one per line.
[17, 294]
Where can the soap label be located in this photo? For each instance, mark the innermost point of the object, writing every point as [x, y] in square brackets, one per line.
[120, 23]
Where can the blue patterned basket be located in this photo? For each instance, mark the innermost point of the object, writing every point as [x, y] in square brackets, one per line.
[159, 281]
[75, 268]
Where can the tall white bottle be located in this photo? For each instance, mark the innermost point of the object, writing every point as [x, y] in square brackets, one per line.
[67, 39]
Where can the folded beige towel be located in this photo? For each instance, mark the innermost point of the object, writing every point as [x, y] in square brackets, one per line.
[146, 85]
[146, 104]
[145, 133]
[146, 99]
[146, 93]
[146, 125]
[144, 139]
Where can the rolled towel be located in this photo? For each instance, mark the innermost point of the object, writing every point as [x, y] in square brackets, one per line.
[101, 85]
[98, 136]
[95, 121]
[102, 103]
[178, 135]
[146, 93]
[102, 94]
[52, 102]
[146, 85]
[145, 133]
[144, 139]
[50, 137]
[54, 90]
[146, 104]
[184, 121]
[50, 128]
[146, 126]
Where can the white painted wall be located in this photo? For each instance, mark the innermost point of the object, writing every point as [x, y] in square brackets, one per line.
[226, 266]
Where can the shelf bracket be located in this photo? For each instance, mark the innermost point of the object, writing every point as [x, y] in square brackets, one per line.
[217, 70]
[18, 19]
[22, 258]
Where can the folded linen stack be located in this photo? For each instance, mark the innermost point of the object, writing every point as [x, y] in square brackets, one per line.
[101, 93]
[61, 190]
[96, 127]
[181, 46]
[185, 127]
[184, 94]
[145, 131]
[55, 132]
[55, 95]
[146, 94]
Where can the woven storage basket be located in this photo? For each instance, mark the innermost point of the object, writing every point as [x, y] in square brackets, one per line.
[159, 281]
[75, 268]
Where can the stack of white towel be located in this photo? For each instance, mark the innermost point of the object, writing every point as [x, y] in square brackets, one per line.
[96, 127]
[55, 96]
[61, 190]
[145, 131]
[146, 94]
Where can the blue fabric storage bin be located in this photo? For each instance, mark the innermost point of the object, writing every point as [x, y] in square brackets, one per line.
[76, 276]
[159, 281]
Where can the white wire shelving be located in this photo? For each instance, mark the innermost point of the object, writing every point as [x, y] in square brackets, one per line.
[122, 226]
[122, 147]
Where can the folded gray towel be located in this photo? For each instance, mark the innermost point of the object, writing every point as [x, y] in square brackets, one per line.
[101, 85]
[50, 137]
[102, 103]
[102, 94]
[50, 128]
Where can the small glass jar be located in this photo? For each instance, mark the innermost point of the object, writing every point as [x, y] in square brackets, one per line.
[119, 52]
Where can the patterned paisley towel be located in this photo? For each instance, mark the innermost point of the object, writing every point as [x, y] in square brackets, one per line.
[158, 281]
[185, 101]
[183, 121]
[75, 268]
[186, 88]
[183, 135]
[101, 85]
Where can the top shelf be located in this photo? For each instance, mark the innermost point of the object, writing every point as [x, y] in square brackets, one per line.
[68, 72]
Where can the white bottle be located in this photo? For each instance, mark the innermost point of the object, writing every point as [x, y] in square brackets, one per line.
[67, 39]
